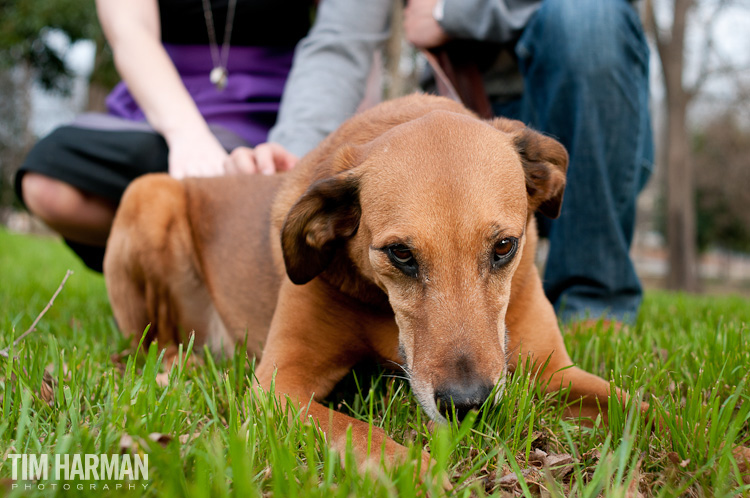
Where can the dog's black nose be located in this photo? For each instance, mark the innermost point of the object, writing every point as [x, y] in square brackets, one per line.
[464, 397]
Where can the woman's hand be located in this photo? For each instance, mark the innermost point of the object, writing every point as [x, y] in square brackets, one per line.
[133, 30]
[195, 153]
[267, 158]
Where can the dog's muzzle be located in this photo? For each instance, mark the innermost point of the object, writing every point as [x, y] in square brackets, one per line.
[462, 397]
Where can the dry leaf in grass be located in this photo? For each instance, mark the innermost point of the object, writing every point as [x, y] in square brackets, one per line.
[560, 464]
[633, 490]
[675, 459]
[130, 444]
[540, 440]
[47, 389]
[65, 371]
[162, 439]
[186, 438]
[508, 481]
[538, 458]
[489, 480]
[742, 455]
[594, 455]
[126, 443]
[162, 379]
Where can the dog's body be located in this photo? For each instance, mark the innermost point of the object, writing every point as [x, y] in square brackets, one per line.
[407, 235]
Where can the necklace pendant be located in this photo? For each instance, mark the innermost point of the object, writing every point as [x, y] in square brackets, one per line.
[218, 77]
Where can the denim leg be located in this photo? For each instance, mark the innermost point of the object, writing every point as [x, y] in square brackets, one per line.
[585, 67]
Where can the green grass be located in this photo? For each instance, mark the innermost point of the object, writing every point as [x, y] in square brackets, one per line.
[689, 356]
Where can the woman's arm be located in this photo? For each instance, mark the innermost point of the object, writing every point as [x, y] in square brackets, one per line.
[326, 84]
[330, 71]
[132, 29]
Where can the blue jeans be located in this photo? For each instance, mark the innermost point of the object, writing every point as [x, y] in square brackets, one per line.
[585, 68]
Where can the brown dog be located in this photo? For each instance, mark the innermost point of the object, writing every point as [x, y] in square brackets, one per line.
[407, 235]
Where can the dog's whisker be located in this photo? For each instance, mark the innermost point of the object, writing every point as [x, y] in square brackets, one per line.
[510, 353]
[396, 377]
[402, 367]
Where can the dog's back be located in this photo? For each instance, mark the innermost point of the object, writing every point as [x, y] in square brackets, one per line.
[208, 240]
[229, 219]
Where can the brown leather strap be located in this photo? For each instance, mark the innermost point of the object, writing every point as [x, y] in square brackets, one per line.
[442, 81]
[459, 78]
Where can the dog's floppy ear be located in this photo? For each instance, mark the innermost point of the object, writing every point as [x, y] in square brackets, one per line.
[324, 217]
[544, 161]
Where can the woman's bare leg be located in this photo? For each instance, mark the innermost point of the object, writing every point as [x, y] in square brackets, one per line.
[76, 215]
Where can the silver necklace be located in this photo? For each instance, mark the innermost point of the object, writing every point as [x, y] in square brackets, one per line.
[219, 75]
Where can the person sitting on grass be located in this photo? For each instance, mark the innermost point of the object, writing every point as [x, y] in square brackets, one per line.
[199, 78]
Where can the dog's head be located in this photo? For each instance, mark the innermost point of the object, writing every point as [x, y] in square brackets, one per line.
[434, 212]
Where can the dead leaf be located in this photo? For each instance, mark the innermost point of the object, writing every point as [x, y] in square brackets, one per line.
[186, 438]
[633, 490]
[538, 458]
[540, 440]
[65, 371]
[742, 455]
[47, 389]
[594, 455]
[267, 473]
[508, 481]
[560, 464]
[162, 439]
[674, 457]
[162, 379]
[126, 443]
[130, 444]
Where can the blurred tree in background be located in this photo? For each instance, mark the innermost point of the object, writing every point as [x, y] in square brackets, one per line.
[671, 36]
[24, 26]
[722, 177]
[26, 56]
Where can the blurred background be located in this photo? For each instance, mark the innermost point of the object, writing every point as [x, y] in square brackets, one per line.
[693, 230]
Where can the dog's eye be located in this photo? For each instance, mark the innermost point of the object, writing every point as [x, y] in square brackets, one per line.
[402, 257]
[504, 251]
[400, 254]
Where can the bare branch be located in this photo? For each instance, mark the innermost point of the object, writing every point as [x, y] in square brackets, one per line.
[4, 352]
[652, 26]
[706, 72]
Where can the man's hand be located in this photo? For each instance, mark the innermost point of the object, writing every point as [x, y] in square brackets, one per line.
[267, 158]
[421, 28]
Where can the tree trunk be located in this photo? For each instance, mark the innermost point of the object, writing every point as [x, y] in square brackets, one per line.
[97, 90]
[681, 230]
[97, 97]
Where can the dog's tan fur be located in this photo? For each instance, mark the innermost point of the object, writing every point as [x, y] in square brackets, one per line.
[297, 262]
